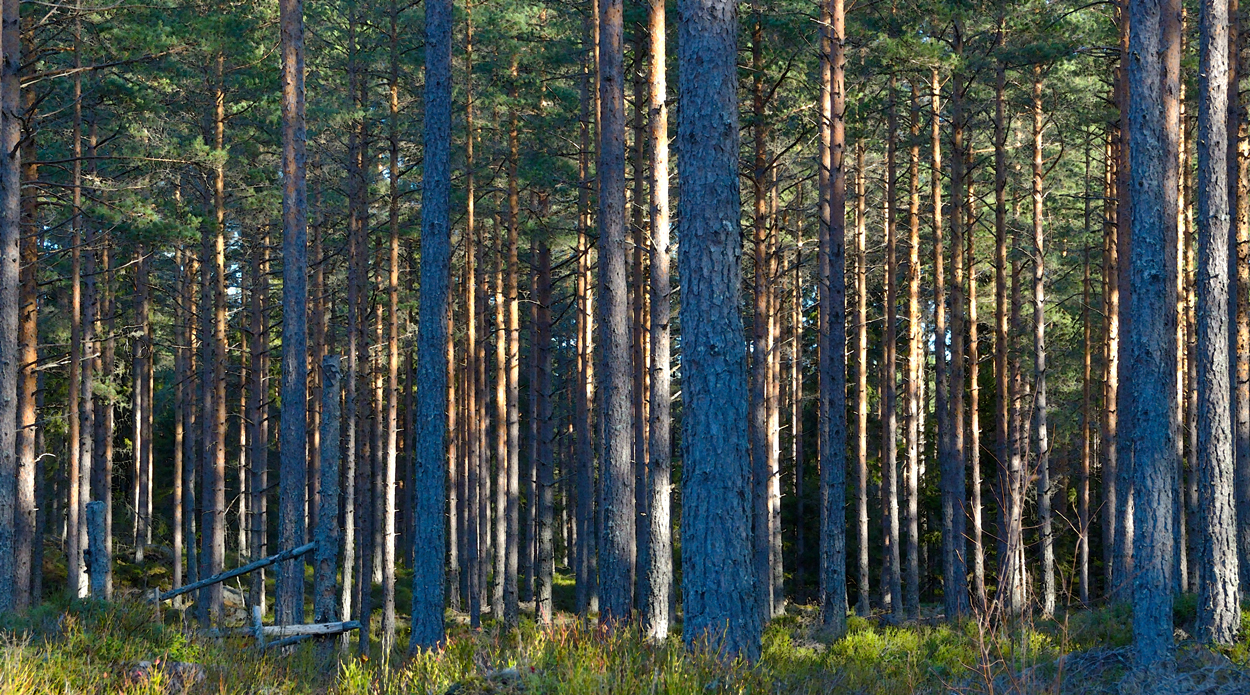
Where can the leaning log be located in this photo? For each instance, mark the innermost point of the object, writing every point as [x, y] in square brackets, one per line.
[229, 574]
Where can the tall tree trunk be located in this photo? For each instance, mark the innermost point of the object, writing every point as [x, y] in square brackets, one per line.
[1087, 431]
[587, 570]
[1011, 588]
[258, 409]
[718, 588]
[638, 328]
[545, 574]
[915, 369]
[758, 424]
[292, 434]
[353, 397]
[455, 469]
[76, 582]
[213, 555]
[1239, 254]
[655, 616]
[955, 578]
[796, 400]
[1219, 617]
[432, 334]
[1039, 356]
[102, 445]
[390, 482]
[141, 354]
[974, 390]
[891, 583]
[192, 453]
[325, 574]
[500, 529]
[473, 500]
[832, 340]
[1122, 560]
[513, 415]
[1155, 47]
[861, 379]
[24, 527]
[616, 568]
[1111, 307]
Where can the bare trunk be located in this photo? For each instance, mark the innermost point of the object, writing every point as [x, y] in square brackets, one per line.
[1219, 617]
[1039, 357]
[891, 582]
[915, 371]
[616, 570]
[717, 572]
[1151, 348]
[545, 575]
[660, 530]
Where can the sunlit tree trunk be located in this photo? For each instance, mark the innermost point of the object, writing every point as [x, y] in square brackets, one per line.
[1039, 356]
[660, 529]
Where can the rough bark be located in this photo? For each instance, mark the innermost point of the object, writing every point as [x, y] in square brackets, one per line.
[915, 371]
[258, 409]
[1150, 343]
[213, 508]
[586, 571]
[24, 512]
[391, 481]
[955, 579]
[759, 363]
[545, 574]
[891, 581]
[715, 525]
[1219, 617]
[292, 434]
[10, 235]
[617, 542]
[513, 414]
[1011, 585]
[430, 539]
[325, 574]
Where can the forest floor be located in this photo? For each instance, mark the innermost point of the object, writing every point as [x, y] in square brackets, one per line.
[130, 646]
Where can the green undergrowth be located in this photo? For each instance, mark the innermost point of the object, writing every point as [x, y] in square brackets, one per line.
[91, 647]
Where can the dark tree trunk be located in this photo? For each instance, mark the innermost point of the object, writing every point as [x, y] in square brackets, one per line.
[587, 564]
[717, 577]
[1219, 616]
[325, 570]
[545, 573]
[10, 235]
[293, 435]
[891, 582]
[617, 552]
[1151, 349]
[513, 364]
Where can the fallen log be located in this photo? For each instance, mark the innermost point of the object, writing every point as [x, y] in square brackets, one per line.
[229, 574]
[281, 631]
